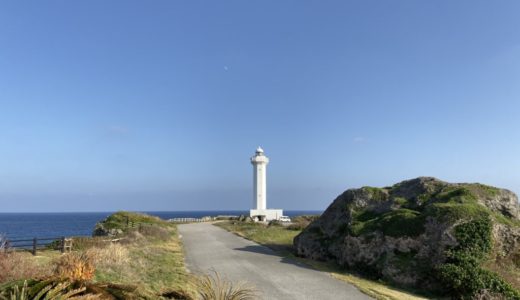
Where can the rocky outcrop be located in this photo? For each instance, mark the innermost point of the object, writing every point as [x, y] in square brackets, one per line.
[404, 233]
[101, 230]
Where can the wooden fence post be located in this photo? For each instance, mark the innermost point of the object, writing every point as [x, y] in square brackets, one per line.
[62, 244]
[35, 244]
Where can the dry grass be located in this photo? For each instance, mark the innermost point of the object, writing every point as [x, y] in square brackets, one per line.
[214, 287]
[75, 266]
[508, 269]
[133, 238]
[112, 255]
[84, 243]
[155, 232]
[372, 288]
[16, 266]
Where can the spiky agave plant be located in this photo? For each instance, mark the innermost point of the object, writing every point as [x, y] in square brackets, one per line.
[43, 291]
[17, 294]
[214, 287]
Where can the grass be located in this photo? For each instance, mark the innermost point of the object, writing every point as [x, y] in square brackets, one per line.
[276, 237]
[121, 219]
[377, 194]
[396, 223]
[378, 290]
[155, 258]
[150, 260]
[214, 287]
[280, 239]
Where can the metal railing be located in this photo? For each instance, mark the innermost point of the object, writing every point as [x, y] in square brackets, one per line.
[189, 220]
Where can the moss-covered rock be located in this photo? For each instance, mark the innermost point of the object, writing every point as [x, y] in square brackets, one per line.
[421, 233]
[119, 222]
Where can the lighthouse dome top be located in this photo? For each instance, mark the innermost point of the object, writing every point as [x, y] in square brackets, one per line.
[259, 150]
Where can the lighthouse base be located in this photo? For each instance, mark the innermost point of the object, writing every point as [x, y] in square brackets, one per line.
[265, 215]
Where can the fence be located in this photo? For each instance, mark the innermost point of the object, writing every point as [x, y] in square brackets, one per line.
[58, 243]
[189, 220]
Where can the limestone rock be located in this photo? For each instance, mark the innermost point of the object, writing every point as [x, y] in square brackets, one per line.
[101, 230]
[401, 233]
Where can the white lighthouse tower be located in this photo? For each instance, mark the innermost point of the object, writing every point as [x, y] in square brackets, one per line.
[260, 211]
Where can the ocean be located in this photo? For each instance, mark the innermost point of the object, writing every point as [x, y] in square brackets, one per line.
[42, 225]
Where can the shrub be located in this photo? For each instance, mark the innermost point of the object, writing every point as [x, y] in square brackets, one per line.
[462, 274]
[75, 266]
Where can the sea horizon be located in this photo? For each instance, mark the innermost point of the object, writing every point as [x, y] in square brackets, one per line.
[22, 225]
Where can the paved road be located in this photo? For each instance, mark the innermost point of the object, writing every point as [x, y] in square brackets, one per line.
[209, 248]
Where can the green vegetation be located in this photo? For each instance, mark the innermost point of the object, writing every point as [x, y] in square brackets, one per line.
[489, 190]
[475, 267]
[400, 201]
[451, 212]
[123, 220]
[144, 261]
[456, 194]
[276, 237]
[400, 222]
[375, 193]
[462, 273]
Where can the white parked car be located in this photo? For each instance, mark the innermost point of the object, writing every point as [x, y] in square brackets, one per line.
[284, 219]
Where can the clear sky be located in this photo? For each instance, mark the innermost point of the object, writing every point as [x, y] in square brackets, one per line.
[158, 105]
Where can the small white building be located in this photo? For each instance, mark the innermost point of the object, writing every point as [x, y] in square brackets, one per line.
[260, 211]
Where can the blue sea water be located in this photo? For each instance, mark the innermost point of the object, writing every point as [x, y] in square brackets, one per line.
[42, 225]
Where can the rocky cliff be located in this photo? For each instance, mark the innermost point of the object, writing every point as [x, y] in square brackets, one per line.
[423, 233]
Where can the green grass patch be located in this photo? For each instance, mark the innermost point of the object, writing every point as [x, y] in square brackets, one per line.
[156, 261]
[124, 219]
[396, 223]
[276, 237]
[453, 211]
[375, 193]
[488, 190]
[400, 201]
[456, 194]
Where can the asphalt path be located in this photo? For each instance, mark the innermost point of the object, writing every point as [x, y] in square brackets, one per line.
[209, 248]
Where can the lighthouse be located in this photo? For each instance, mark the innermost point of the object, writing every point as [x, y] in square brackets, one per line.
[259, 211]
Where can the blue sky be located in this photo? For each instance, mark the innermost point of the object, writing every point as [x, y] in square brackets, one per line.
[158, 105]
